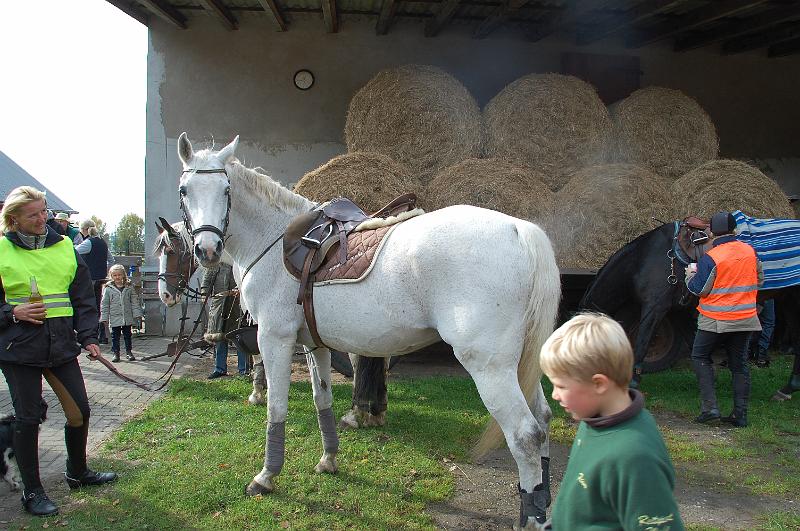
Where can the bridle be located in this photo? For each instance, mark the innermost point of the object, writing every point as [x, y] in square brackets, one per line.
[187, 219]
[179, 280]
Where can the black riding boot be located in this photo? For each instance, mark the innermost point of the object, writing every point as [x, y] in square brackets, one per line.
[741, 394]
[26, 450]
[709, 412]
[78, 474]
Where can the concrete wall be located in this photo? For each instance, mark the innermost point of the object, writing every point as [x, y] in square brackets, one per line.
[215, 83]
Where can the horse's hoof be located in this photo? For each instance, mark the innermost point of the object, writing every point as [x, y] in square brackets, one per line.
[254, 488]
[349, 421]
[371, 420]
[327, 466]
[780, 396]
[256, 400]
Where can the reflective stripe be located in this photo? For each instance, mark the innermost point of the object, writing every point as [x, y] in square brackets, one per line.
[737, 289]
[734, 308]
[64, 304]
[23, 300]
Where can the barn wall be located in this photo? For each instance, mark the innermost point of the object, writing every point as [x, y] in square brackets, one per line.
[215, 83]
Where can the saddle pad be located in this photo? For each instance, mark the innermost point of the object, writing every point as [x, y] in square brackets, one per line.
[777, 244]
[362, 249]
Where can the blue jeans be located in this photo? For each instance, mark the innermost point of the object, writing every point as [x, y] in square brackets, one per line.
[767, 318]
[221, 359]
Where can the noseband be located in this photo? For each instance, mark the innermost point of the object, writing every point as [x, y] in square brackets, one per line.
[187, 219]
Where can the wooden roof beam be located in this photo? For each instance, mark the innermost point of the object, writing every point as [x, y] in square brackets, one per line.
[772, 36]
[271, 7]
[738, 27]
[614, 23]
[221, 12]
[126, 7]
[166, 12]
[694, 19]
[498, 17]
[784, 49]
[386, 16]
[329, 15]
[442, 18]
[566, 17]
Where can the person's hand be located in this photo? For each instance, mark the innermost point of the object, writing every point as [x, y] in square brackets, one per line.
[30, 312]
[93, 351]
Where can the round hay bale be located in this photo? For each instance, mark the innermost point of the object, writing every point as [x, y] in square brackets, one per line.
[552, 123]
[664, 130]
[492, 183]
[729, 185]
[369, 179]
[418, 115]
[601, 209]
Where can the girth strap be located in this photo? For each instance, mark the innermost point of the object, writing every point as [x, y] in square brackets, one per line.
[305, 296]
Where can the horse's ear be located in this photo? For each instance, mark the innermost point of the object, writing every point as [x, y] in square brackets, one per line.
[185, 151]
[227, 153]
[167, 226]
[159, 227]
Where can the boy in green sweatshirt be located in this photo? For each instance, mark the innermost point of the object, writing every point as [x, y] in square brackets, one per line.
[619, 474]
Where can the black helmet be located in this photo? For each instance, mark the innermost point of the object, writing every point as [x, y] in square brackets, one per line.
[723, 223]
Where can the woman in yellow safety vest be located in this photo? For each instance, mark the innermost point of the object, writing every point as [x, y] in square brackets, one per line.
[727, 281]
[48, 314]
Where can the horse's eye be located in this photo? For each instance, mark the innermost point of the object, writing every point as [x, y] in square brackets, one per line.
[227, 190]
[182, 190]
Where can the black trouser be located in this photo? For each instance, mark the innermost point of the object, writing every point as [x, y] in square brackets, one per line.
[735, 344]
[126, 333]
[98, 297]
[25, 386]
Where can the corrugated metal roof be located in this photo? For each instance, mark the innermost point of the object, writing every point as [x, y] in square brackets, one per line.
[13, 175]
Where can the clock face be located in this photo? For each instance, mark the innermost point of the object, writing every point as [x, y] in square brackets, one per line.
[303, 79]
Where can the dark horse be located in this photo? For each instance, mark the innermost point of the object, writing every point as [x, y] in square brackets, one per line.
[643, 285]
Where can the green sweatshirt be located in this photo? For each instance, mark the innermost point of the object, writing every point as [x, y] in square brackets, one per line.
[619, 476]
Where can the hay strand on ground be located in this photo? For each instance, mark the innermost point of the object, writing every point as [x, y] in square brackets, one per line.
[418, 115]
[370, 180]
[601, 209]
[725, 185]
[664, 130]
[552, 123]
[492, 183]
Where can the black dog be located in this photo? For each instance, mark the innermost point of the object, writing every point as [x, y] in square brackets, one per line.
[9, 470]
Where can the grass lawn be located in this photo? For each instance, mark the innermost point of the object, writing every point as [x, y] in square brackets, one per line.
[186, 459]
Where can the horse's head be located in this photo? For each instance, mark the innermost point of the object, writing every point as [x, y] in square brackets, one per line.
[175, 261]
[205, 197]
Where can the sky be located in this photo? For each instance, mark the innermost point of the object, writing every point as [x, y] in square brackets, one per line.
[72, 102]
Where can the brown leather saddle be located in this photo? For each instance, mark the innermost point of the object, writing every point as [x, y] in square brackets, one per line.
[314, 238]
[692, 239]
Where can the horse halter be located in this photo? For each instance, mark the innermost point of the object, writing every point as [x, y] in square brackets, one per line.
[187, 219]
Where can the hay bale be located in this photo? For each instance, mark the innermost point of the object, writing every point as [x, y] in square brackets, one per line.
[729, 185]
[418, 115]
[492, 183]
[552, 123]
[369, 179]
[601, 209]
[664, 130]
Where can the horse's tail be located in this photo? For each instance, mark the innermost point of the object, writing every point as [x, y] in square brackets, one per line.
[540, 317]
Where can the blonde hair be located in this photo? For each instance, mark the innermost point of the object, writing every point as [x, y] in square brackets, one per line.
[589, 344]
[118, 267]
[89, 226]
[18, 198]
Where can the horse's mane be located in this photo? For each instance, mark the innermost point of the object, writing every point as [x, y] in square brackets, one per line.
[263, 184]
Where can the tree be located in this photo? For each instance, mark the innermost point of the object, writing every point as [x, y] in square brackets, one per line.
[101, 227]
[129, 236]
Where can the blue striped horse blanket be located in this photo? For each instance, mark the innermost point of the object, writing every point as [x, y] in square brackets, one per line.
[777, 244]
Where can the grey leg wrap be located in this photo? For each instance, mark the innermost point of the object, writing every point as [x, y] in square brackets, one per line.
[546, 479]
[276, 446]
[327, 427]
[532, 504]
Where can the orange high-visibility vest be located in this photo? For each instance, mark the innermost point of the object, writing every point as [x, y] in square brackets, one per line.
[733, 295]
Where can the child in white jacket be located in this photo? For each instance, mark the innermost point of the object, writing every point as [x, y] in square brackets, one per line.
[120, 308]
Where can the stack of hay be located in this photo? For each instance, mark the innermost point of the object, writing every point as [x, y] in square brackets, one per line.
[729, 185]
[552, 123]
[601, 209]
[370, 180]
[492, 183]
[663, 130]
[420, 116]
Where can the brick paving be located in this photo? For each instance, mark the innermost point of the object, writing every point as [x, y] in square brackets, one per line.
[112, 401]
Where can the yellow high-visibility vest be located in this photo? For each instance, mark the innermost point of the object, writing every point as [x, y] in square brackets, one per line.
[54, 268]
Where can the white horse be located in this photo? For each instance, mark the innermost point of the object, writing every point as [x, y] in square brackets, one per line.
[485, 283]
